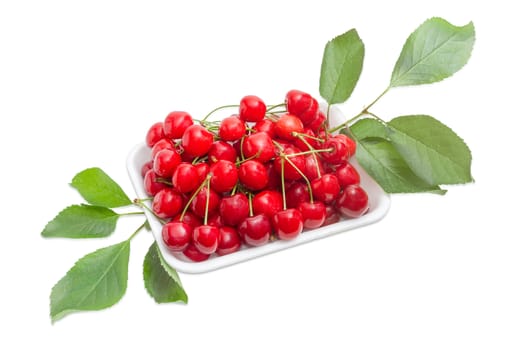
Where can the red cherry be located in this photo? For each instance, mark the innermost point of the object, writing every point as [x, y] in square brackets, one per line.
[353, 201]
[288, 223]
[350, 144]
[176, 235]
[215, 220]
[206, 238]
[202, 170]
[151, 183]
[188, 218]
[160, 145]
[232, 128]
[331, 215]
[267, 202]
[197, 140]
[252, 108]
[154, 134]
[326, 188]
[313, 167]
[176, 123]
[199, 202]
[266, 125]
[185, 178]
[255, 230]
[259, 146]
[253, 175]
[290, 173]
[318, 123]
[165, 162]
[193, 254]
[301, 104]
[313, 214]
[310, 138]
[288, 124]
[347, 175]
[223, 176]
[146, 167]
[297, 193]
[167, 203]
[234, 209]
[274, 178]
[338, 152]
[222, 150]
[229, 241]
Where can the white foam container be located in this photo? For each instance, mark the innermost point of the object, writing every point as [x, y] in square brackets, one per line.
[379, 204]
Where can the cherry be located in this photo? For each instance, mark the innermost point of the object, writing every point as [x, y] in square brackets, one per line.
[188, 218]
[288, 223]
[176, 235]
[160, 145]
[197, 140]
[302, 104]
[151, 183]
[347, 175]
[267, 202]
[185, 178]
[222, 150]
[259, 146]
[154, 134]
[318, 123]
[215, 220]
[229, 241]
[331, 215]
[274, 178]
[266, 125]
[338, 151]
[192, 253]
[167, 203]
[310, 140]
[350, 144]
[223, 176]
[253, 175]
[313, 167]
[299, 162]
[255, 230]
[297, 193]
[234, 209]
[287, 125]
[202, 169]
[353, 201]
[206, 238]
[165, 162]
[176, 123]
[326, 188]
[252, 108]
[232, 128]
[146, 167]
[313, 214]
[199, 203]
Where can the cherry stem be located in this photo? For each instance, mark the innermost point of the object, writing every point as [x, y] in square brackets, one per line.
[276, 106]
[311, 148]
[137, 230]
[141, 204]
[217, 109]
[306, 136]
[308, 183]
[195, 193]
[132, 213]
[250, 202]
[283, 191]
[163, 181]
[205, 220]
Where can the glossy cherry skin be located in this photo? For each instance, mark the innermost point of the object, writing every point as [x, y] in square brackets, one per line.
[288, 224]
[154, 134]
[197, 140]
[313, 167]
[297, 193]
[313, 214]
[193, 254]
[221, 150]
[160, 145]
[215, 219]
[331, 214]
[176, 123]
[252, 108]
[223, 176]
[253, 175]
[290, 171]
[185, 179]
[151, 183]
[302, 104]
[319, 123]
[234, 209]
[266, 125]
[326, 188]
[165, 162]
[259, 146]
[176, 235]
[267, 202]
[288, 124]
[255, 230]
[203, 170]
[232, 128]
[188, 218]
[229, 241]
[353, 201]
[350, 143]
[199, 203]
[146, 167]
[347, 175]
[167, 203]
[338, 151]
[206, 238]
[310, 142]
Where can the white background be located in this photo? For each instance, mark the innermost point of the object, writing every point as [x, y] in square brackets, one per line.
[80, 83]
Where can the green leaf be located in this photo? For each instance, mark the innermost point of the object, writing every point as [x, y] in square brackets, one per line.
[341, 67]
[82, 221]
[431, 149]
[433, 52]
[161, 280]
[99, 189]
[368, 128]
[384, 164]
[95, 282]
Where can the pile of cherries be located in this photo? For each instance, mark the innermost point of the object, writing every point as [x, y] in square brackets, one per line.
[265, 173]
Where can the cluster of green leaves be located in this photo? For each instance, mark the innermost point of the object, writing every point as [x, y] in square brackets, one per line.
[99, 279]
[412, 153]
